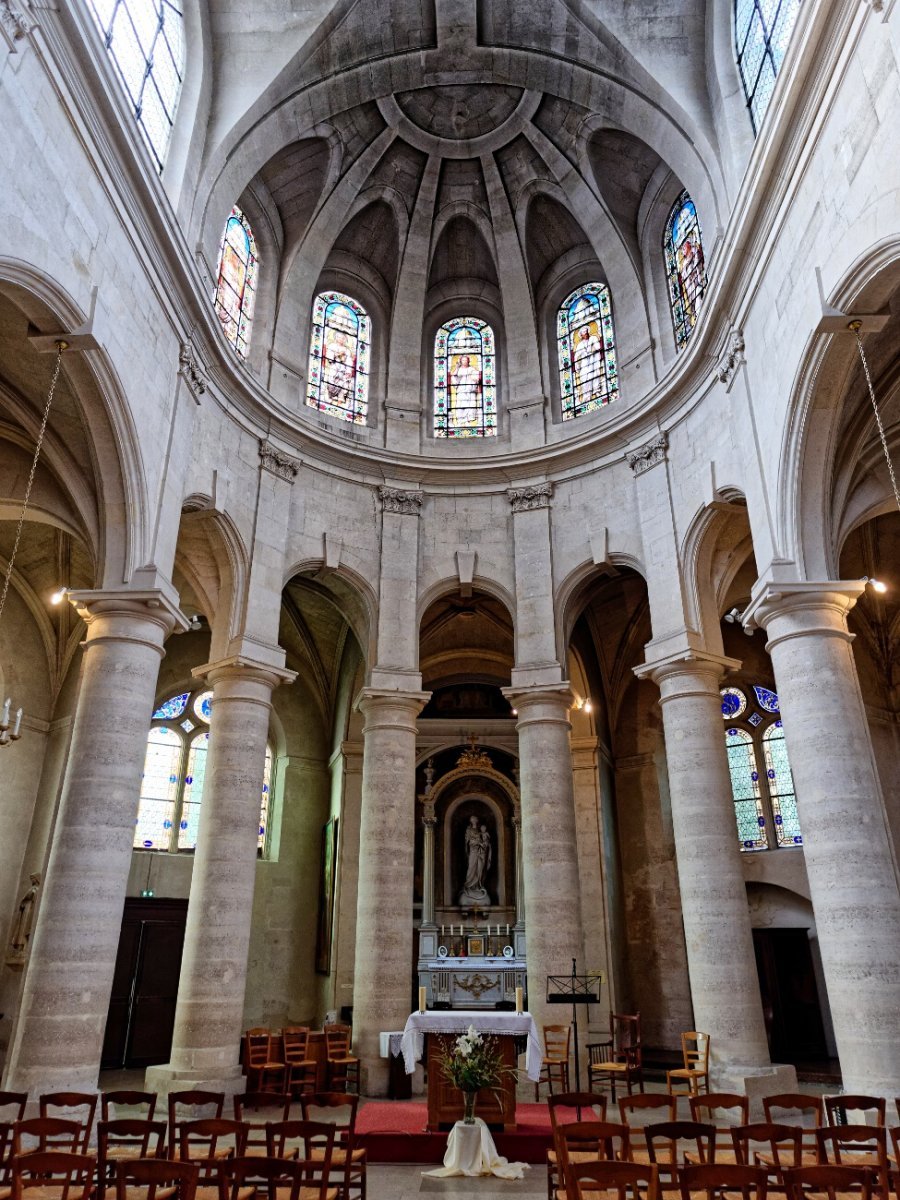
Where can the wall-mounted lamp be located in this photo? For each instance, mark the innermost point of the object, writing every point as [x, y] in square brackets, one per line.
[875, 584]
[59, 595]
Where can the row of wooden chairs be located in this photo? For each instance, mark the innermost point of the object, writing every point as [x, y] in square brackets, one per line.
[295, 1070]
[208, 1140]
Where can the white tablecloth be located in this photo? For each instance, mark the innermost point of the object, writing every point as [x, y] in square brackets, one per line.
[504, 1024]
[471, 1151]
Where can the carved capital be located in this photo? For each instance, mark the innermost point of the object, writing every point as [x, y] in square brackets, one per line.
[429, 814]
[395, 500]
[276, 462]
[731, 359]
[13, 24]
[189, 367]
[536, 495]
[649, 455]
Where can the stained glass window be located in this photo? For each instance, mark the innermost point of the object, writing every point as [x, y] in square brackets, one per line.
[746, 792]
[174, 775]
[781, 787]
[465, 379]
[685, 267]
[734, 702]
[767, 699]
[236, 281]
[586, 351]
[762, 30]
[145, 40]
[339, 354]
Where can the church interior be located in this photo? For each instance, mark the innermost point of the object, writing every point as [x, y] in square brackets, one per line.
[449, 597]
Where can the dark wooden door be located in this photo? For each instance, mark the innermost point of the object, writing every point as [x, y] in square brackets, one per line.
[145, 984]
[790, 996]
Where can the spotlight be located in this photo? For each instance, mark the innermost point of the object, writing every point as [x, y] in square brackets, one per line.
[588, 707]
[876, 584]
[195, 623]
[733, 617]
[59, 595]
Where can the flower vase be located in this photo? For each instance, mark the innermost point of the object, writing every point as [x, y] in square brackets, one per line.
[469, 1099]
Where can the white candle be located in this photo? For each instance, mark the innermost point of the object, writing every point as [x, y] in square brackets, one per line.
[518, 999]
[507, 929]
[4, 720]
[422, 993]
[15, 731]
[442, 931]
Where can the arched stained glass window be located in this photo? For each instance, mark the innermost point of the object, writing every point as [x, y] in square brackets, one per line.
[465, 379]
[236, 281]
[586, 351]
[685, 268]
[748, 807]
[338, 379]
[145, 40]
[781, 787]
[762, 30]
[175, 773]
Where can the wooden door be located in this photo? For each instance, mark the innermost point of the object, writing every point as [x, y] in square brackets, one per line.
[790, 995]
[145, 984]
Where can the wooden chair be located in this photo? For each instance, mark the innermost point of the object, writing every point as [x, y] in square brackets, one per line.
[808, 1109]
[622, 1180]
[207, 1143]
[156, 1179]
[669, 1144]
[837, 1107]
[777, 1148]
[265, 1073]
[621, 1057]
[856, 1146]
[125, 1140]
[711, 1108]
[695, 1052]
[110, 1102]
[53, 1175]
[349, 1159]
[633, 1108]
[50, 1133]
[300, 1066]
[558, 1106]
[309, 1136]
[264, 1107]
[186, 1106]
[555, 1063]
[71, 1103]
[341, 1067]
[723, 1179]
[833, 1182]
[6, 1157]
[281, 1178]
[13, 1100]
[588, 1142]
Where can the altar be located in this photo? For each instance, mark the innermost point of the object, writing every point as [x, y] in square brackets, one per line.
[427, 1033]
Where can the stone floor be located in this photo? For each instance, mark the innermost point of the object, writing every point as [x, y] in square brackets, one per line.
[404, 1182]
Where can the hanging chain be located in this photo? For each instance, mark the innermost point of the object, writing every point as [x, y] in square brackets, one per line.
[856, 326]
[60, 346]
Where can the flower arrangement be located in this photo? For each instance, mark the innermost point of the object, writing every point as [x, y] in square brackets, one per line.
[472, 1062]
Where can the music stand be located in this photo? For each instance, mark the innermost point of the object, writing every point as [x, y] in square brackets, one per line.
[574, 989]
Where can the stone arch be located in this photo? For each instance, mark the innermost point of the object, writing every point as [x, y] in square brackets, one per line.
[212, 557]
[717, 544]
[352, 597]
[572, 593]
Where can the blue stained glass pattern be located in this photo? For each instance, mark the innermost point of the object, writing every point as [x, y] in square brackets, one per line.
[746, 793]
[235, 296]
[734, 702]
[171, 708]
[465, 382]
[755, 719]
[781, 787]
[264, 806]
[586, 351]
[766, 698]
[203, 705]
[194, 779]
[159, 789]
[339, 353]
[685, 267]
[762, 30]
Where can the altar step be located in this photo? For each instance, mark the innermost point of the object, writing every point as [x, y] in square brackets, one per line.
[393, 1131]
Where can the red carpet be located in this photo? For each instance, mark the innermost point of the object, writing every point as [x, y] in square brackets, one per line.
[394, 1131]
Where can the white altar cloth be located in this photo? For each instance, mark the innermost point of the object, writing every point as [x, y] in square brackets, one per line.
[504, 1024]
[471, 1151]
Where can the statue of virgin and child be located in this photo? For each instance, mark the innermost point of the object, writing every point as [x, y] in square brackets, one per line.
[478, 858]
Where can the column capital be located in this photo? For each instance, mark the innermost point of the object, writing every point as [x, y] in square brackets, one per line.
[384, 708]
[154, 604]
[397, 500]
[535, 495]
[819, 607]
[687, 672]
[541, 702]
[238, 668]
[276, 462]
[649, 454]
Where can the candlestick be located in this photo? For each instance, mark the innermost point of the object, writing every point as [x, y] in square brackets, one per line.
[4, 720]
[422, 995]
[15, 730]
[518, 999]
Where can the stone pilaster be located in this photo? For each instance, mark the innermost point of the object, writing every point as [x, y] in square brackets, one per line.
[536, 656]
[384, 910]
[849, 862]
[210, 1005]
[59, 1032]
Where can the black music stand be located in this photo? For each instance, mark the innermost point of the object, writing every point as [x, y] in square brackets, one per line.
[574, 989]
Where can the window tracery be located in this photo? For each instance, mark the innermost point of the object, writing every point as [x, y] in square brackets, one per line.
[175, 772]
[236, 281]
[762, 31]
[465, 379]
[586, 351]
[145, 40]
[685, 267]
[339, 355]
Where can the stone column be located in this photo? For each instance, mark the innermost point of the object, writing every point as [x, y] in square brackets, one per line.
[210, 1006]
[58, 1036]
[849, 861]
[429, 820]
[549, 846]
[593, 856]
[348, 771]
[384, 910]
[721, 962]
[520, 869]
